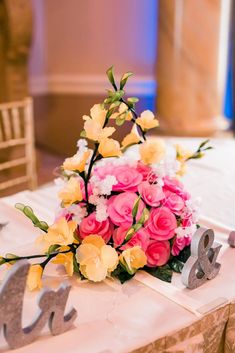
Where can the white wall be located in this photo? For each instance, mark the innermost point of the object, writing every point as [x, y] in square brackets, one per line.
[77, 40]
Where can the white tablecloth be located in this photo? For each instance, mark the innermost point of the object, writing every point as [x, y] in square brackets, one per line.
[121, 318]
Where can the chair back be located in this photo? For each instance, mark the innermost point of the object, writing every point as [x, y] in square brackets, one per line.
[16, 129]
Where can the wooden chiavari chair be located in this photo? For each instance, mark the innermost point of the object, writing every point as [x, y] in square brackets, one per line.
[16, 129]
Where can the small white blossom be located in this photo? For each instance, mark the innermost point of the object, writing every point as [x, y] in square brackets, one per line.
[101, 210]
[192, 209]
[78, 212]
[101, 207]
[182, 232]
[103, 186]
[82, 145]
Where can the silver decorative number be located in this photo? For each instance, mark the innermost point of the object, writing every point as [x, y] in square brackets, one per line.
[51, 303]
[202, 264]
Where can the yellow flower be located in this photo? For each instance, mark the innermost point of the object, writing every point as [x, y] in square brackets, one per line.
[96, 259]
[34, 279]
[95, 132]
[61, 233]
[133, 259]
[182, 155]
[147, 120]
[65, 259]
[152, 151]
[94, 125]
[109, 148]
[97, 113]
[121, 112]
[71, 192]
[76, 162]
[131, 138]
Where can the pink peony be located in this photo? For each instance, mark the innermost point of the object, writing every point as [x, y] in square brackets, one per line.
[140, 238]
[152, 194]
[179, 244]
[158, 253]
[90, 225]
[175, 186]
[174, 202]
[120, 208]
[128, 178]
[161, 224]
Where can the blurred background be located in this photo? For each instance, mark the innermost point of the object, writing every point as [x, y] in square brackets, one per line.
[56, 51]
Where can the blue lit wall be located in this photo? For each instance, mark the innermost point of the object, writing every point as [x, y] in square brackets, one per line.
[228, 100]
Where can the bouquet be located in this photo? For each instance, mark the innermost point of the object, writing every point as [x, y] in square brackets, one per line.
[122, 206]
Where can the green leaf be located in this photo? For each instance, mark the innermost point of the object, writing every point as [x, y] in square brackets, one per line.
[133, 100]
[28, 212]
[124, 79]
[117, 96]
[121, 274]
[120, 120]
[110, 75]
[176, 265]
[107, 100]
[203, 144]
[144, 217]
[52, 249]
[136, 206]
[110, 92]
[75, 265]
[110, 112]
[11, 256]
[184, 254]
[164, 273]
[83, 133]
[2, 261]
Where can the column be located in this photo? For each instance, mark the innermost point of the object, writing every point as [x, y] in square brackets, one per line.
[191, 65]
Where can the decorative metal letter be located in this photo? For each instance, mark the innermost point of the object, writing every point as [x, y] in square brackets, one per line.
[231, 239]
[52, 305]
[202, 264]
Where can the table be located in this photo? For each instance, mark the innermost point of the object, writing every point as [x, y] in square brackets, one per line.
[114, 318]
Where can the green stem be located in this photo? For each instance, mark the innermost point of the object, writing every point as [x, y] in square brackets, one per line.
[135, 116]
[49, 257]
[92, 161]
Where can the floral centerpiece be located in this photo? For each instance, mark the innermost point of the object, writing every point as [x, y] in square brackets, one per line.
[123, 207]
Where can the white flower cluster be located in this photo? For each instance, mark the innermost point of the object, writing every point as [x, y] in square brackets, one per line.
[78, 212]
[192, 209]
[103, 186]
[101, 207]
[168, 167]
[182, 232]
[82, 146]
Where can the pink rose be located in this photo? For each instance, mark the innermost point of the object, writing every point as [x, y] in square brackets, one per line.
[174, 185]
[179, 244]
[161, 224]
[120, 208]
[140, 238]
[152, 194]
[158, 253]
[128, 178]
[174, 202]
[187, 222]
[143, 169]
[90, 225]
